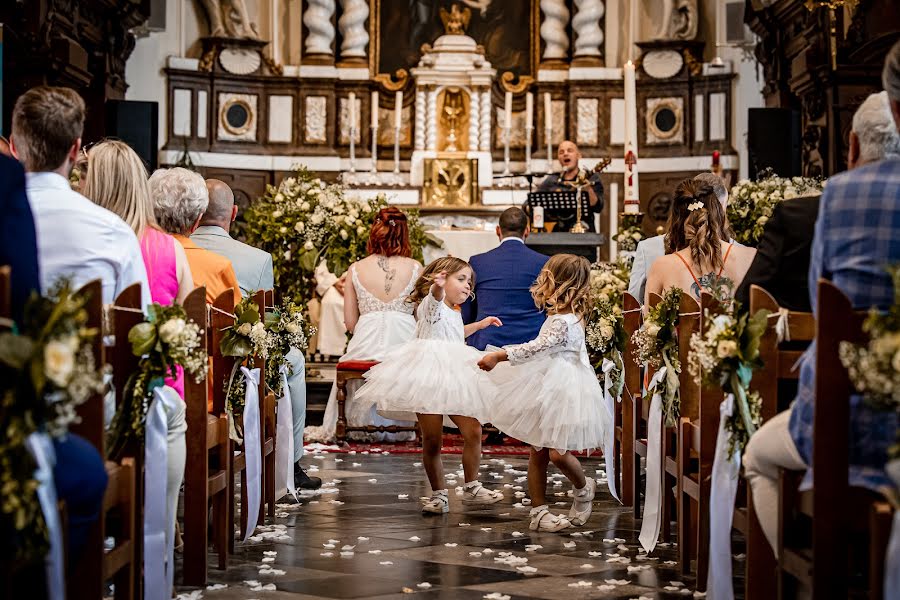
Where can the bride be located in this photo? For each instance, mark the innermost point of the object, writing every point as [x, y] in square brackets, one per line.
[376, 313]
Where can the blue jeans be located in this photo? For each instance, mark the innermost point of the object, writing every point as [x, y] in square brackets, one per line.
[80, 476]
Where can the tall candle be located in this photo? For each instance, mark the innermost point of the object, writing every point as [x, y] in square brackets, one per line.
[529, 110]
[352, 111]
[548, 116]
[632, 198]
[398, 111]
[613, 219]
[507, 107]
[374, 110]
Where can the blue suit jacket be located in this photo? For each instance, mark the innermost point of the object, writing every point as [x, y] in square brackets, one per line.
[18, 243]
[503, 277]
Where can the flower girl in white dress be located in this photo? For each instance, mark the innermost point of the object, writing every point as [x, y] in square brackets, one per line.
[436, 375]
[550, 397]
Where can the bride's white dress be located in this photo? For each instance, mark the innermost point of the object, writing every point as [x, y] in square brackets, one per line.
[382, 326]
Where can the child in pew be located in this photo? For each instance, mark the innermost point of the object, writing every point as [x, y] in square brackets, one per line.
[549, 395]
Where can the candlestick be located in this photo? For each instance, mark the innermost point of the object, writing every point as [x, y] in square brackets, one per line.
[506, 135]
[548, 130]
[374, 110]
[507, 110]
[397, 149]
[613, 220]
[529, 110]
[528, 132]
[398, 110]
[352, 116]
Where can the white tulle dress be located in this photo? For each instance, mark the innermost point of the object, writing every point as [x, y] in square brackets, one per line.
[382, 327]
[436, 373]
[548, 394]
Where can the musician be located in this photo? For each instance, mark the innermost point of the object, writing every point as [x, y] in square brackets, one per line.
[569, 155]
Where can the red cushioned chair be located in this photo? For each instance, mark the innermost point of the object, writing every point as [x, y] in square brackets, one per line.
[356, 369]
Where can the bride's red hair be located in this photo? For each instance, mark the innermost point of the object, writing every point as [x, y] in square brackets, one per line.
[389, 235]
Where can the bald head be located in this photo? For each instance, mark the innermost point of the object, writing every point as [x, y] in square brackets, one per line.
[568, 155]
[221, 210]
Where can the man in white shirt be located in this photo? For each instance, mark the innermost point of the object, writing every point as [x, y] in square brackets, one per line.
[652, 248]
[76, 238]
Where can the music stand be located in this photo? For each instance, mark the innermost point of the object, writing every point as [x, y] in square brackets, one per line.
[561, 207]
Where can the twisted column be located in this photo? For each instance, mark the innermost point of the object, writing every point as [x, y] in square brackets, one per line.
[353, 29]
[474, 116]
[420, 119]
[431, 135]
[317, 19]
[553, 29]
[485, 112]
[586, 24]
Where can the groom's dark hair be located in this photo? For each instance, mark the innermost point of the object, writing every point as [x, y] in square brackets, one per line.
[513, 222]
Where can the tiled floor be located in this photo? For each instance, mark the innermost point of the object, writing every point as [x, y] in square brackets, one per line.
[368, 539]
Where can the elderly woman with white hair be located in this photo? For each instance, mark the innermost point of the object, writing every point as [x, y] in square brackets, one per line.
[180, 198]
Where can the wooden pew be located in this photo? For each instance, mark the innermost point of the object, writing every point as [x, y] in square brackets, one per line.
[837, 513]
[778, 360]
[206, 469]
[631, 395]
[640, 415]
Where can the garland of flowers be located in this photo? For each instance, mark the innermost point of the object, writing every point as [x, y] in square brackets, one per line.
[874, 369]
[47, 369]
[751, 203]
[630, 233]
[726, 354]
[304, 221]
[165, 340]
[605, 325]
[247, 337]
[288, 329]
[656, 345]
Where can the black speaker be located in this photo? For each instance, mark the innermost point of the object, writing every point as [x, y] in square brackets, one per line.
[137, 124]
[773, 141]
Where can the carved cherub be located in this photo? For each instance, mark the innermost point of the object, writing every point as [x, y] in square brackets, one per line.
[456, 21]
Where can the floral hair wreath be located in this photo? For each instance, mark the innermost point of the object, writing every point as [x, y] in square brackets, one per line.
[695, 206]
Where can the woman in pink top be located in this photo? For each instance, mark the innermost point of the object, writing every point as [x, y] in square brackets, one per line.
[116, 180]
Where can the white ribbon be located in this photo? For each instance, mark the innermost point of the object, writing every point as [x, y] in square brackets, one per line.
[41, 448]
[609, 444]
[159, 526]
[284, 449]
[651, 522]
[782, 327]
[725, 472]
[252, 448]
[892, 557]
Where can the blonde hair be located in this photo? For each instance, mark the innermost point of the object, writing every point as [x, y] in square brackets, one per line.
[448, 264]
[564, 284]
[117, 180]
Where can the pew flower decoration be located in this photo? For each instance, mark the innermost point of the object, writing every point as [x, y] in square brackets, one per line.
[605, 326]
[751, 203]
[725, 355]
[656, 346]
[609, 281]
[166, 340]
[288, 329]
[247, 337]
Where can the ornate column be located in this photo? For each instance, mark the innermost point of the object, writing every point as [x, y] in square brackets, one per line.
[353, 30]
[474, 119]
[420, 118]
[431, 135]
[588, 34]
[484, 138]
[317, 19]
[553, 31]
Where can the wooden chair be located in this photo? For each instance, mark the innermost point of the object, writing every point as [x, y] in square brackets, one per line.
[837, 514]
[267, 427]
[778, 361]
[631, 395]
[348, 371]
[207, 466]
[698, 429]
[121, 504]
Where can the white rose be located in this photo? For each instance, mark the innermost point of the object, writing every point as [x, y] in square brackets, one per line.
[636, 235]
[763, 220]
[652, 329]
[789, 193]
[726, 348]
[308, 245]
[316, 219]
[350, 220]
[277, 214]
[289, 182]
[283, 230]
[606, 331]
[259, 328]
[304, 206]
[59, 362]
[354, 213]
[245, 329]
[299, 227]
[279, 197]
[287, 255]
[292, 327]
[170, 330]
[344, 235]
[360, 230]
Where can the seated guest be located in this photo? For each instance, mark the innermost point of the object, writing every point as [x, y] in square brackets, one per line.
[253, 268]
[77, 239]
[180, 198]
[650, 249]
[782, 258]
[18, 243]
[331, 338]
[701, 258]
[569, 155]
[117, 180]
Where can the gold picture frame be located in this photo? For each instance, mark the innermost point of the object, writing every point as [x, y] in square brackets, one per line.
[224, 119]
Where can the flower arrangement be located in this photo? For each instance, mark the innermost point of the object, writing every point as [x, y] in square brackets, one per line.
[726, 354]
[247, 337]
[288, 329]
[304, 221]
[656, 345]
[751, 203]
[609, 281]
[605, 326]
[874, 369]
[47, 369]
[165, 340]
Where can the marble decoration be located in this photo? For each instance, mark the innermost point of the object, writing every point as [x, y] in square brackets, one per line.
[431, 120]
[553, 29]
[699, 121]
[586, 24]
[718, 110]
[344, 120]
[181, 114]
[232, 132]
[386, 128]
[353, 28]
[315, 130]
[558, 120]
[484, 137]
[202, 101]
[665, 120]
[587, 121]
[240, 61]
[281, 126]
[516, 131]
[420, 119]
[317, 19]
[474, 119]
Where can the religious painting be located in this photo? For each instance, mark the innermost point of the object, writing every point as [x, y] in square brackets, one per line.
[507, 29]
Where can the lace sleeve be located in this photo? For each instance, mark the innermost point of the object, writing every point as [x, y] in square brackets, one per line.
[429, 309]
[554, 335]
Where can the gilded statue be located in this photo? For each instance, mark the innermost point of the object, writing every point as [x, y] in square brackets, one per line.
[452, 113]
[229, 19]
[455, 21]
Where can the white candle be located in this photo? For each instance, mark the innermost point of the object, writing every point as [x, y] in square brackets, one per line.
[632, 201]
[529, 110]
[398, 111]
[508, 110]
[613, 203]
[352, 111]
[548, 117]
[374, 110]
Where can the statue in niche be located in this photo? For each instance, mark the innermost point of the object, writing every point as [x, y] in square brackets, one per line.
[229, 19]
[679, 20]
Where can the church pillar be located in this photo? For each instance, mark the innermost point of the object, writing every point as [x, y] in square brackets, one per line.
[431, 137]
[553, 32]
[420, 118]
[354, 34]
[319, 40]
[484, 138]
[474, 119]
[588, 35]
